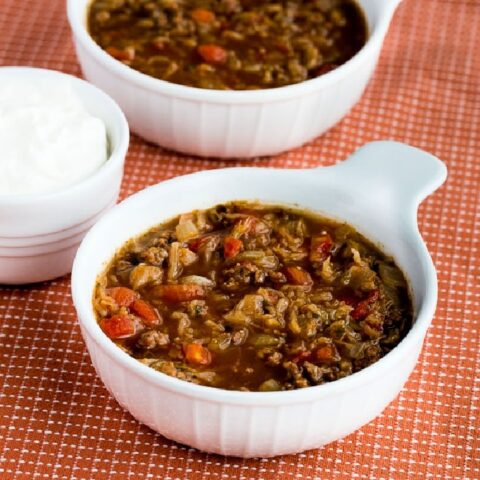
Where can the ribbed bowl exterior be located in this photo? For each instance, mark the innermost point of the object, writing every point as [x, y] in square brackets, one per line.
[249, 430]
[378, 190]
[228, 129]
[41, 258]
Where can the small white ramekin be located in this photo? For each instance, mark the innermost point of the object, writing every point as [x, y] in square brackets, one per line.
[40, 233]
[231, 123]
[378, 191]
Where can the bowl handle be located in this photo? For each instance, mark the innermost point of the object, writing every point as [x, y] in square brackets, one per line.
[404, 172]
[386, 8]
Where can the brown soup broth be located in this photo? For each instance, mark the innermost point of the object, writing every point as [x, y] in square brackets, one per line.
[229, 44]
[251, 297]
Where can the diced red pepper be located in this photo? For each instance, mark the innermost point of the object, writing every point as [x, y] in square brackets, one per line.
[212, 53]
[202, 15]
[195, 244]
[146, 312]
[363, 307]
[197, 354]
[320, 247]
[118, 326]
[298, 276]
[302, 356]
[231, 246]
[179, 293]
[123, 296]
[360, 311]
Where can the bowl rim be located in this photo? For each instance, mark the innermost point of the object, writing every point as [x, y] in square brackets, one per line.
[376, 32]
[89, 324]
[117, 151]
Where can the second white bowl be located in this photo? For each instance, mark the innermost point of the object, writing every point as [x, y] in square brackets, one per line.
[231, 123]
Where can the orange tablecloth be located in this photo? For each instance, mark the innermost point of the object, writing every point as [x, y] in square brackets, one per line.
[59, 422]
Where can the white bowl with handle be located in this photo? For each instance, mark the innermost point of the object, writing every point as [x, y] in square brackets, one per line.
[377, 190]
[226, 124]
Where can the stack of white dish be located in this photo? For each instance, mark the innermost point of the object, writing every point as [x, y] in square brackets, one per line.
[40, 232]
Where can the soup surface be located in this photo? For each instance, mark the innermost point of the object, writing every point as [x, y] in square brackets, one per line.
[255, 298]
[229, 44]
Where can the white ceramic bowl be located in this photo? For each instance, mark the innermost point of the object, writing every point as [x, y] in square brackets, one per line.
[378, 191]
[231, 123]
[40, 233]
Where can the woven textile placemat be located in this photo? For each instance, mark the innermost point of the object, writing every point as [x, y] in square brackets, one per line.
[59, 422]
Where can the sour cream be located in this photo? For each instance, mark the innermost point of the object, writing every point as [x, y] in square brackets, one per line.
[48, 140]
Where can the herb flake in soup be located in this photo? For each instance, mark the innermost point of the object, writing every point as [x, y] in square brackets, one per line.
[253, 297]
[229, 44]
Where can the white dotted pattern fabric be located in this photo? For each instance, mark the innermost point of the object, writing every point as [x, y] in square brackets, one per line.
[59, 422]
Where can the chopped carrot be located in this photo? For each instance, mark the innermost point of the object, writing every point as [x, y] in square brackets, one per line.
[118, 326]
[144, 310]
[231, 247]
[179, 293]
[320, 247]
[123, 296]
[203, 16]
[197, 354]
[212, 53]
[325, 354]
[127, 54]
[298, 276]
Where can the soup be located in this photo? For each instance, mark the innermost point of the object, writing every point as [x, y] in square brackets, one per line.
[253, 297]
[229, 44]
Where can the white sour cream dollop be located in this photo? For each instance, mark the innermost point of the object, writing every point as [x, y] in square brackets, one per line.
[48, 140]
